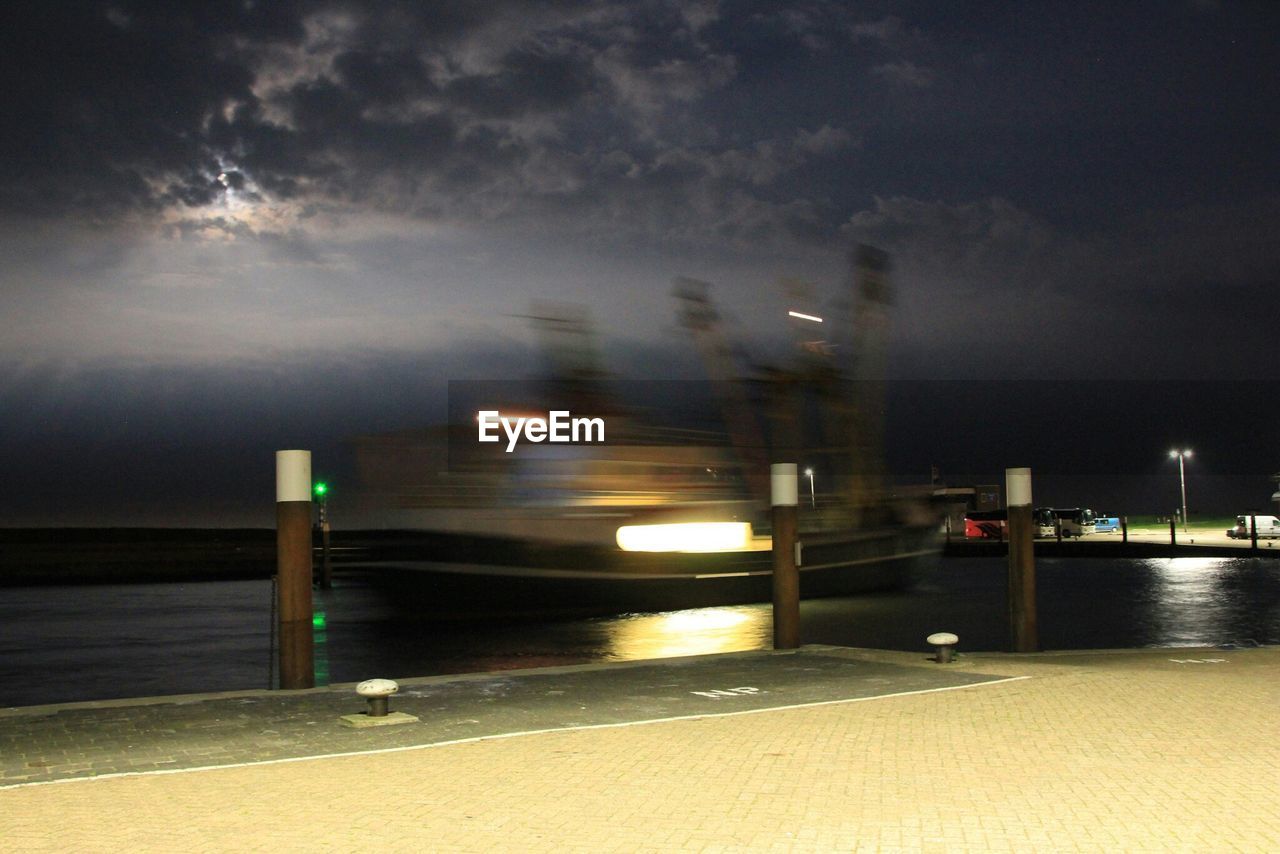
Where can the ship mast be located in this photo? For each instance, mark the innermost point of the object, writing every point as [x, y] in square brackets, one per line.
[699, 315]
[873, 297]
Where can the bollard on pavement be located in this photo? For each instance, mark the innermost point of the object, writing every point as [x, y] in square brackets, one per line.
[377, 692]
[944, 644]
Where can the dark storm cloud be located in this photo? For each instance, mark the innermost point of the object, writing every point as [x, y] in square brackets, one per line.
[1083, 152]
[121, 107]
[293, 220]
[469, 111]
[103, 100]
[425, 107]
[530, 79]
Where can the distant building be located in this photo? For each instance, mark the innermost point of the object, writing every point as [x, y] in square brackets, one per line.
[988, 496]
[959, 500]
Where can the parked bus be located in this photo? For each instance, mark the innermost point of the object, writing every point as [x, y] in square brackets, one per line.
[986, 524]
[1075, 521]
[994, 524]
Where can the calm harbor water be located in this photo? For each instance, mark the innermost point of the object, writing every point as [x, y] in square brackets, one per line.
[62, 644]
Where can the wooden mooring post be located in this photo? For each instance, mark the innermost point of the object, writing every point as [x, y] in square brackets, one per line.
[1022, 561]
[293, 567]
[784, 489]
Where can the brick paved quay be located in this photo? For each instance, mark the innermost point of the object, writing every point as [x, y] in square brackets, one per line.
[824, 749]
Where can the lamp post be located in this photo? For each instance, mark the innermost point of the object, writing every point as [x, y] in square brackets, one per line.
[813, 501]
[1182, 480]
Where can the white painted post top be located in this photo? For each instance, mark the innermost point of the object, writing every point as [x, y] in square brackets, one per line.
[377, 688]
[942, 639]
[293, 476]
[784, 485]
[1017, 487]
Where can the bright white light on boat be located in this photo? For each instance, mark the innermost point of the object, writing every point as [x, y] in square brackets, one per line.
[686, 537]
[803, 316]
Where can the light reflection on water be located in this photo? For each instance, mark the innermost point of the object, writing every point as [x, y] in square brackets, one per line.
[1191, 600]
[1187, 598]
[93, 642]
[701, 631]
[320, 639]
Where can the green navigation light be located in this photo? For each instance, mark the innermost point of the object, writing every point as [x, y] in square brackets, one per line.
[321, 489]
[317, 620]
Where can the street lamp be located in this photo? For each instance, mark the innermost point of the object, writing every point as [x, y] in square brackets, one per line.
[1182, 479]
[813, 502]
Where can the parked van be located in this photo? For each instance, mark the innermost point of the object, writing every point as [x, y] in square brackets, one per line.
[1268, 528]
[1105, 523]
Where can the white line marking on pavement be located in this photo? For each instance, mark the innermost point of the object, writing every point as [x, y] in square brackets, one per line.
[503, 735]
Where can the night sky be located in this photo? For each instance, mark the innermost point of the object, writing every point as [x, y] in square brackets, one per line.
[232, 227]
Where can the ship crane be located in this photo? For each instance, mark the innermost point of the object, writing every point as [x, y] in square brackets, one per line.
[847, 376]
[577, 377]
[873, 298]
[699, 315]
[840, 370]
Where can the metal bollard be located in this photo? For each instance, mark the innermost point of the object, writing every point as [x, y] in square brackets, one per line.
[945, 643]
[376, 691]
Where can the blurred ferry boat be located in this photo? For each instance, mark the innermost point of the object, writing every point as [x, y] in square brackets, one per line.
[659, 516]
[628, 527]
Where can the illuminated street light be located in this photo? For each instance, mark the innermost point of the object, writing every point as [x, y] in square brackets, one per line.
[813, 502]
[1182, 479]
[801, 316]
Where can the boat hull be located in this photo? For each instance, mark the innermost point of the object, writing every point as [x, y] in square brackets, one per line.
[537, 580]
